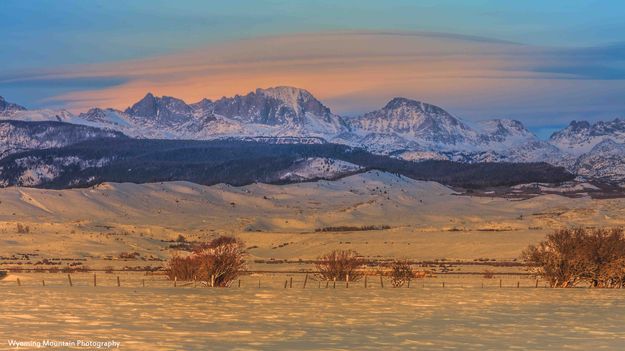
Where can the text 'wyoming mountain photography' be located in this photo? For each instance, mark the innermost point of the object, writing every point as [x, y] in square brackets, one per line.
[322, 175]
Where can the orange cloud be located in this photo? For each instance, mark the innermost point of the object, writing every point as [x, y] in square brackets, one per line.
[349, 71]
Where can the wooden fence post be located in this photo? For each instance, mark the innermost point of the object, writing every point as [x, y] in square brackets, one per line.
[365, 281]
[408, 283]
[291, 283]
[305, 280]
[69, 278]
[143, 282]
[239, 283]
[259, 282]
[334, 283]
[94, 280]
[518, 284]
[536, 283]
[499, 283]
[347, 280]
[381, 281]
[286, 282]
[43, 282]
[443, 284]
[120, 284]
[19, 283]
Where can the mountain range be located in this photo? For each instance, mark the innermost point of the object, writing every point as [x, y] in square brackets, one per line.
[403, 128]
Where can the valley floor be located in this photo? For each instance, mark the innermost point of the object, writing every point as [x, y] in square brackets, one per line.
[139, 226]
[161, 317]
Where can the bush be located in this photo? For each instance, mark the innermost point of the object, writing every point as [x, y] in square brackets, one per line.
[488, 274]
[401, 273]
[22, 229]
[218, 262]
[569, 257]
[339, 264]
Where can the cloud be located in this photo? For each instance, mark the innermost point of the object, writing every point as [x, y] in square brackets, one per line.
[353, 72]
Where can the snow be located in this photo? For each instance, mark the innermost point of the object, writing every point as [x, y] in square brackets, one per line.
[318, 168]
[403, 128]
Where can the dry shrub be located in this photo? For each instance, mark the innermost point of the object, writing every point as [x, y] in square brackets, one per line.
[401, 273]
[218, 262]
[574, 255]
[22, 229]
[339, 264]
[489, 274]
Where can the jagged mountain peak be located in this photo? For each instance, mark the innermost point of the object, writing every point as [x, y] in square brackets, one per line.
[416, 119]
[7, 108]
[581, 136]
[279, 106]
[402, 102]
[504, 128]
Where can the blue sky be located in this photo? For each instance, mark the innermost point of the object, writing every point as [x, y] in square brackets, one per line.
[67, 35]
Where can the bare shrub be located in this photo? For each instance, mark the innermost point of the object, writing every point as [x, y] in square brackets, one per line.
[339, 264]
[401, 273]
[218, 262]
[182, 268]
[574, 255]
[22, 229]
[489, 274]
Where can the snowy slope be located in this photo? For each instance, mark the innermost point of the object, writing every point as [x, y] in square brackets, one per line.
[580, 137]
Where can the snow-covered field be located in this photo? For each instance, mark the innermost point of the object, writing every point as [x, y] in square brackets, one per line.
[274, 318]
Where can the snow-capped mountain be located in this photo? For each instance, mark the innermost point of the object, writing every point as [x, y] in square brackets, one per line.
[7, 109]
[415, 120]
[415, 131]
[580, 137]
[403, 128]
[605, 160]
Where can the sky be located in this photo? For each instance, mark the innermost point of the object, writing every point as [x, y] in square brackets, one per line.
[544, 63]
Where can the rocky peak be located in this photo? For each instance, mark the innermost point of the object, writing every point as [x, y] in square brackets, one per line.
[8, 108]
[273, 106]
[166, 110]
[417, 120]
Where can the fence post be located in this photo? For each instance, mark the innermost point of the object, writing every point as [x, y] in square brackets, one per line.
[212, 280]
[120, 284]
[408, 283]
[518, 284]
[381, 281]
[69, 278]
[536, 283]
[259, 282]
[334, 283]
[291, 283]
[286, 282]
[347, 280]
[327, 283]
[365, 281]
[43, 282]
[94, 280]
[443, 284]
[19, 283]
[499, 283]
[239, 283]
[143, 282]
[305, 280]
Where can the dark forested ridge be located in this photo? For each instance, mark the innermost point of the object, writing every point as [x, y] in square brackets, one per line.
[238, 163]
